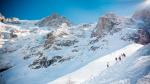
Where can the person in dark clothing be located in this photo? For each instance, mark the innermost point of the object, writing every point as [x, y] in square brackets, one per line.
[116, 58]
[119, 58]
[124, 55]
[107, 64]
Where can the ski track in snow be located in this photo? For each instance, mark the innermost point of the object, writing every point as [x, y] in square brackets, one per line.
[96, 67]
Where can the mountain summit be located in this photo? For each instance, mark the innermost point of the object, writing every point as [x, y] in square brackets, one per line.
[54, 20]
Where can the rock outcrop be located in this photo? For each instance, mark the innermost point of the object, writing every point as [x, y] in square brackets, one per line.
[50, 38]
[8, 35]
[66, 43]
[106, 23]
[142, 36]
[53, 21]
[44, 62]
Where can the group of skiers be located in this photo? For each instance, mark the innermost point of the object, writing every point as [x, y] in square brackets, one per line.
[123, 55]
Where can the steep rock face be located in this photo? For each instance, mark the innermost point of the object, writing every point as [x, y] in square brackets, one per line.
[50, 40]
[54, 21]
[106, 23]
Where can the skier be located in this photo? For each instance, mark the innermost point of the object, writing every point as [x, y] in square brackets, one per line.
[116, 58]
[124, 55]
[107, 64]
[119, 58]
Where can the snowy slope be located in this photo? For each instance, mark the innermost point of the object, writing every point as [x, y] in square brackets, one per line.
[131, 70]
[96, 67]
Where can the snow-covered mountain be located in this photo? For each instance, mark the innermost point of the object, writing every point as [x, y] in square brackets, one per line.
[36, 52]
[111, 23]
[54, 20]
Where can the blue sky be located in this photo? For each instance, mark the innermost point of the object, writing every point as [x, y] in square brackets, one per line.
[78, 11]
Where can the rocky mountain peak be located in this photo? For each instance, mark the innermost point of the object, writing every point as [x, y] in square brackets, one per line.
[54, 20]
[55, 15]
[110, 15]
[106, 23]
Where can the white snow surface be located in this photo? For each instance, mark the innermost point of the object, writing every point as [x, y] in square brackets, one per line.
[96, 67]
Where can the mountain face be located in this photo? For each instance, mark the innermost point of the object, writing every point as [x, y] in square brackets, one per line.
[110, 23]
[53, 21]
